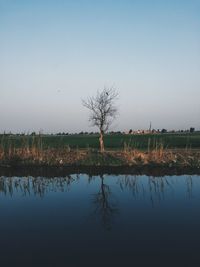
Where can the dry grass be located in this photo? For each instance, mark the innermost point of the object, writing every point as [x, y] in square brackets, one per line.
[34, 154]
[42, 157]
[159, 156]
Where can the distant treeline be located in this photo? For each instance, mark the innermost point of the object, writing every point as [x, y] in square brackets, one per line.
[153, 131]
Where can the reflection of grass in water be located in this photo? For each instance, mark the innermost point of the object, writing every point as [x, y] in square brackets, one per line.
[155, 189]
[37, 186]
[152, 189]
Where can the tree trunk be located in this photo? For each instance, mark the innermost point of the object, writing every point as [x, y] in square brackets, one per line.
[101, 142]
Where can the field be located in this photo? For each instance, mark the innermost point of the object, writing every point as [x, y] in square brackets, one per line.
[112, 142]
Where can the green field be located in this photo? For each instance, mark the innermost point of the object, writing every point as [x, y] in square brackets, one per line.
[114, 141]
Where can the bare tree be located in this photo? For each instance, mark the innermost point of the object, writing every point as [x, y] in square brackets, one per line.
[102, 111]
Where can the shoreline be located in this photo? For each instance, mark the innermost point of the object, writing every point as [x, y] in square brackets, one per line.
[61, 171]
[60, 162]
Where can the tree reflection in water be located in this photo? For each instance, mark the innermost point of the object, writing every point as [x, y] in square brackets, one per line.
[153, 189]
[105, 206]
[189, 184]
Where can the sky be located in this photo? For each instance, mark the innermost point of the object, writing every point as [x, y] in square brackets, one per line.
[55, 53]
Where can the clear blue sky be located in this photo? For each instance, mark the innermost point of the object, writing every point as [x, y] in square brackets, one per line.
[53, 53]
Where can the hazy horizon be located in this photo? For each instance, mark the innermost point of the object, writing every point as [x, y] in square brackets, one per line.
[55, 53]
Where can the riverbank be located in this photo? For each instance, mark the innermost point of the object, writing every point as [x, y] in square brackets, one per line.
[128, 161]
[54, 171]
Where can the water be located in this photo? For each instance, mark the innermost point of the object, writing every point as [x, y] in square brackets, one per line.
[82, 220]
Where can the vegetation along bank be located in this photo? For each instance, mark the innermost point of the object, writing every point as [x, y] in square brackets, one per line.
[82, 150]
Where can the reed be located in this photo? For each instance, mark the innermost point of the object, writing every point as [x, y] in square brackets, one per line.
[33, 152]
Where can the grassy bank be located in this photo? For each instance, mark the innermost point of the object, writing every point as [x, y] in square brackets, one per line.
[127, 157]
[41, 151]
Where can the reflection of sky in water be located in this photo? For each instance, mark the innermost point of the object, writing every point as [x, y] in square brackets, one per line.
[124, 215]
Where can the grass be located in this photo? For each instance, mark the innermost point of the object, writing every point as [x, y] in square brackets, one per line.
[112, 142]
[82, 150]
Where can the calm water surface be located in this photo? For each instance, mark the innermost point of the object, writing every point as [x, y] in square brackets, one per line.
[107, 220]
